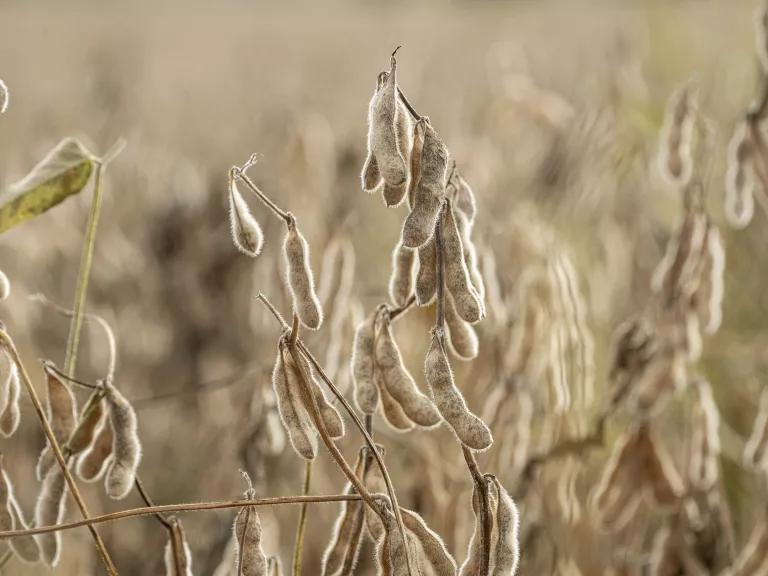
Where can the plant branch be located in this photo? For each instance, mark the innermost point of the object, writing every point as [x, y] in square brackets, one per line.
[190, 507]
[237, 172]
[7, 343]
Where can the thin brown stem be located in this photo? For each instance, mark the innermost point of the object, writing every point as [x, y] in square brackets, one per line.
[7, 343]
[189, 507]
[266, 200]
[302, 523]
[149, 502]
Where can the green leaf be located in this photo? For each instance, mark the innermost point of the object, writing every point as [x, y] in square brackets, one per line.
[63, 172]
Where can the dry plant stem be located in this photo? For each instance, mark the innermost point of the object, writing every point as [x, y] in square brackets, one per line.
[263, 197]
[300, 346]
[7, 343]
[302, 524]
[485, 518]
[149, 502]
[84, 274]
[189, 507]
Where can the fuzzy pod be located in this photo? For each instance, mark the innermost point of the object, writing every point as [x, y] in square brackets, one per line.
[464, 199]
[300, 279]
[470, 429]
[399, 384]
[177, 555]
[7, 521]
[296, 373]
[11, 415]
[25, 548]
[471, 258]
[391, 549]
[494, 290]
[457, 278]
[416, 154]
[61, 405]
[402, 280]
[384, 132]
[250, 559]
[50, 510]
[431, 556]
[85, 433]
[429, 191]
[506, 554]
[4, 97]
[363, 365]
[96, 459]
[5, 286]
[246, 232]
[756, 449]
[395, 194]
[295, 419]
[739, 180]
[462, 338]
[126, 446]
[340, 557]
[675, 160]
[391, 410]
[664, 376]
[474, 560]
[426, 276]
[705, 441]
[709, 294]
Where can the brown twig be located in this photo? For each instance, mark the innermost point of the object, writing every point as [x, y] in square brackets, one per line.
[237, 172]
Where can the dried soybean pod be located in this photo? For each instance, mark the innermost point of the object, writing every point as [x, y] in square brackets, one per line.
[462, 337]
[95, 460]
[126, 446]
[49, 510]
[756, 449]
[363, 366]
[506, 556]
[464, 199]
[705, 440]
[85, 433]
[246, 232]
[472, 564]
[62, 414]
[426, 277]
[296, 374]
[470, 430]
[433, 558]
[675, 161]
[177, 556]
[11, 416]
[739, 180]
[292, 412]
[7, 521]
[393, 413]
[383, 131]
[709, 295]
[429, 191]
[416, 152]
[300, 279]
[5, 286]
[4, 97]
[398, 382]
[25, 547]
[250, 559]
[395, 194]
[340, 558]
[457, 278]
[371, 175]
[401, 282]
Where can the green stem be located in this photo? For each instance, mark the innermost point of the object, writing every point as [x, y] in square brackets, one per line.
[84, 274]
[302, 525]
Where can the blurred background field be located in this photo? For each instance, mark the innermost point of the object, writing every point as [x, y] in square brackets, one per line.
[552, 108]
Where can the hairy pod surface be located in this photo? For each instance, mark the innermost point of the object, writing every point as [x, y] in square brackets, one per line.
[429, 191]
[25, 547]
[457, 277]
[402, 279]
[462, 337]
[297, 423]
[416, 154]
[49, 510]
[249, 555]
[384, 131]
[85, 433]
[675, 160]
[301, 282]
[703, 466]
[61, 406]
[470, 430]
[395, 194]
[426, 277]
[399, 383]
[177, 555]
[11, 415]
[363, 365]
[95, 460]
[126, 446]
[246, 232]
[739, 180]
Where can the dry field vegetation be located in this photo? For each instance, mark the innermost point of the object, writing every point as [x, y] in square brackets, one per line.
[275, 299]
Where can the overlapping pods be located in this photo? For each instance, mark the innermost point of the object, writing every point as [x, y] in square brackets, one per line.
[24, 547]
[298, 393]
[381, 378]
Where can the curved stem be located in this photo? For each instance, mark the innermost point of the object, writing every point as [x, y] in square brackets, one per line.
[266, 200]
[191, 507]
